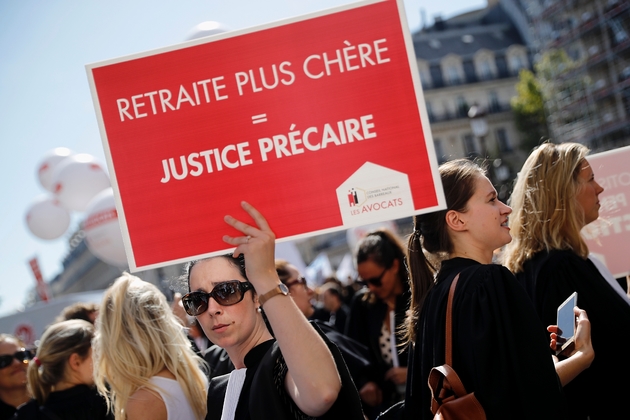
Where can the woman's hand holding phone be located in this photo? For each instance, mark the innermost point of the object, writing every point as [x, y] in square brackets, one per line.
[580, 354]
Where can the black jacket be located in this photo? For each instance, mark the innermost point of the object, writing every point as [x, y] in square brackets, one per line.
[549, 278]
[265, 372]
[500, 348]
[77, 403]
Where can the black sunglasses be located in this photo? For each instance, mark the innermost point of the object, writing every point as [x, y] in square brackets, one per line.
[375, 281]
[227, 293]
[299, 280]
[21, 356]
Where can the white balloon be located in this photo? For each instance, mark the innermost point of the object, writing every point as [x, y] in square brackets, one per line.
[102, 229]
[206, 29]
[77, 179]
[47, 218]
[48, 163]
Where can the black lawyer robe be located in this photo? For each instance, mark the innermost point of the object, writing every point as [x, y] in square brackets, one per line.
[260, 399]
[549, 278]
[500, 350]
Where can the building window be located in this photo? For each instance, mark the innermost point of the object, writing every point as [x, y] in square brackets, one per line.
[462, 107]
[469, 145]
[430, 111]
[452, 74]
[439, 151]
[516, 63]
[619, 33]
[493, 101]
[503, 141]
[486, 70]
[436, 76]
[425, 79]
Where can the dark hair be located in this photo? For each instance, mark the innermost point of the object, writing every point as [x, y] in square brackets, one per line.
[238, 262]
[282, 268]
[334, 289]
[383, 248]
[78, 310]
[430, 233]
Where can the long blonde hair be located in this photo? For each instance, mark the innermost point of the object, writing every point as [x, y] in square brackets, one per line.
[546, 212]
[137, 336]
[60, 341]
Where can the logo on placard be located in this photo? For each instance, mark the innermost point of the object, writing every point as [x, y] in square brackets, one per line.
[356, 196]
[374, 193]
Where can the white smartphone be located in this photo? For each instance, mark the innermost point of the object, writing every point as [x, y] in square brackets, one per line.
[566, 323]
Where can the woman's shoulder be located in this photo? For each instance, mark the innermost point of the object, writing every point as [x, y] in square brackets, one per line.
[480, 274]
[29, 410]
[146, 404]
[557, 263]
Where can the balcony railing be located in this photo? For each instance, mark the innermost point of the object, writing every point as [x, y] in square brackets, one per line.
[456, 115]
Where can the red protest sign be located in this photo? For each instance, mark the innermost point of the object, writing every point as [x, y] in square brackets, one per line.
[317, 121]
[608, 237]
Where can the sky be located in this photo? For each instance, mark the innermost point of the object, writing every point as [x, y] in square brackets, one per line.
[45, 100]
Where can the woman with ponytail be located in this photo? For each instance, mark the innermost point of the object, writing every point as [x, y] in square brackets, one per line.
[60, 376]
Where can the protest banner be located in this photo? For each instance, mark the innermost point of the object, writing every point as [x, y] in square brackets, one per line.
[318, 121]
[609, 236]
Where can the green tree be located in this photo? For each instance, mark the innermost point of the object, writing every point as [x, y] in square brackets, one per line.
[529, 111]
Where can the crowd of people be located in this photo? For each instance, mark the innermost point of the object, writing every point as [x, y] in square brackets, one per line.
[247, 338]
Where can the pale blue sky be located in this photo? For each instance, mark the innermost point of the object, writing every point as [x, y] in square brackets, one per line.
[45, 99]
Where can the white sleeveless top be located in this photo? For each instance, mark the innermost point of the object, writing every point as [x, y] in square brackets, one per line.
[177, 406]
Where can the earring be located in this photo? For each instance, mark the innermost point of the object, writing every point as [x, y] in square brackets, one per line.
[259, 309]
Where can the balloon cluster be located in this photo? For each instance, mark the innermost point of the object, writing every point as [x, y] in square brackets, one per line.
[77, 182]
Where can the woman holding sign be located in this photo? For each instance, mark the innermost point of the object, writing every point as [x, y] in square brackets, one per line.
[290, 372]
[499, 347]
[554, 197]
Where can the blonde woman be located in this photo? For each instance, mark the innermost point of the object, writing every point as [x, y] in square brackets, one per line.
[143, 361]
[554, 197]
[60, 376]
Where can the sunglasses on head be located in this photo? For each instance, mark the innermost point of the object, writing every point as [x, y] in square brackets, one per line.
[375, 281]
[21, 356]
[299, 280]
[225, 294]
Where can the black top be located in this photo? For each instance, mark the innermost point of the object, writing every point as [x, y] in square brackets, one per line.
[6, 411]
[77, 403]
[266, 370]
[355, 354]
[601, 390]
[364, 325]
[500, 350]
[339, 318]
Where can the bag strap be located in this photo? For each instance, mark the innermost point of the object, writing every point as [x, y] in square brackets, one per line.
[443, 379]
[449, 321]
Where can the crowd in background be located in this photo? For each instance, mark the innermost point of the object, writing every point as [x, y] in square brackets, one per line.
[359, 350]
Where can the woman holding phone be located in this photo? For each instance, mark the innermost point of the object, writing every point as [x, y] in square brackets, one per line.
[554, 197]
[499, 348]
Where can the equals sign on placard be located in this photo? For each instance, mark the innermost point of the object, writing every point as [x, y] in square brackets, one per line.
[260, 118]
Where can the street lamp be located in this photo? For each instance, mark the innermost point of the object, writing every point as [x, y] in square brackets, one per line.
[479, 127]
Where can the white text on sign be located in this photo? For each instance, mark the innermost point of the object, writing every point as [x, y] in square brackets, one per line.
[294, 143]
